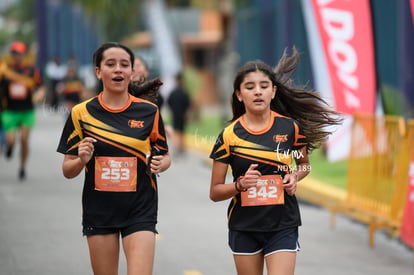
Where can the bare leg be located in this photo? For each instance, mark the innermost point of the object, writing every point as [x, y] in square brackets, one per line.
[10, 141]
[104, 253]
[281, 263]
[139, 249]
[249, 264]
[24, 137]
[180, 142]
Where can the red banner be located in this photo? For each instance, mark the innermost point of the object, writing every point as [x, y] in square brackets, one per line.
[412, 9]
[345, 29]
[407, 225]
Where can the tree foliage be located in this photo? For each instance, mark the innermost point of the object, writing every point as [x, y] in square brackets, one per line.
[23, 14]
[117, 18]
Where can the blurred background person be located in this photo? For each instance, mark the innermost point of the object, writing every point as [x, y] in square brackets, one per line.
[72, 61]
[179, 103]
[20, 80]
[3, 144]
[141, 71]
[140, 76]
[55, 72]
[72, 90]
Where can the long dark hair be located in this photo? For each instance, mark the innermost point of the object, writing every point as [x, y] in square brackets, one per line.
[306, 106]
[144, 89]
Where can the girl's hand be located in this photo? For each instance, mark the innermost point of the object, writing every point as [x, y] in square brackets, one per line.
[86, 149]
[250, 178]
[290, 183]
[160, 163]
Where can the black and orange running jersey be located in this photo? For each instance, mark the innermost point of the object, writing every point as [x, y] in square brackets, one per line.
[126, 133]
[17, 85]
[273, 149]
[72, 89]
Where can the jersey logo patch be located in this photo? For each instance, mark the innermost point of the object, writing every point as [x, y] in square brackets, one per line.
[132, 123]
[280, 138]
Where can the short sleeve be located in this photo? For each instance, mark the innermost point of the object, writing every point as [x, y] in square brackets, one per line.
[221, 149]
[70, 138]
[300, 139]
[158, 136]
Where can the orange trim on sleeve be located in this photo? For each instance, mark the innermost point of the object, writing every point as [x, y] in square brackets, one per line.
[298, 136]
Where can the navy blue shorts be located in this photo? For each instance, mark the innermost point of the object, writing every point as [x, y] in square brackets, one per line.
[251, 243]
[124, 231]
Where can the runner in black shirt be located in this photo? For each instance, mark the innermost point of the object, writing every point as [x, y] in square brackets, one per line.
[274, 126]
[110, 136]
[20, 86]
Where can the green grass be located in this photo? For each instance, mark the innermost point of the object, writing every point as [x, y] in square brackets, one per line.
[332, 173]
[206, 129]
[206, 126]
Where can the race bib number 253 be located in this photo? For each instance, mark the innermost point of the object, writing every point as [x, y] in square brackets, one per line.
[116, 174]
[269, 191]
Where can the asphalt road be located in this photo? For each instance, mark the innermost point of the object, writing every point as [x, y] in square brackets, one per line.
[40, 223]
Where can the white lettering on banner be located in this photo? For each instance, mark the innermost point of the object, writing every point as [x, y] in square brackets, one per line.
[340, 28]
[324, 2]
[338, 24]
[351, 99]
[345, 59]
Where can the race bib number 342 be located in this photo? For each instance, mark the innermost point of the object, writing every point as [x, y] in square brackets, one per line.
[116, 174]
[269, 191]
